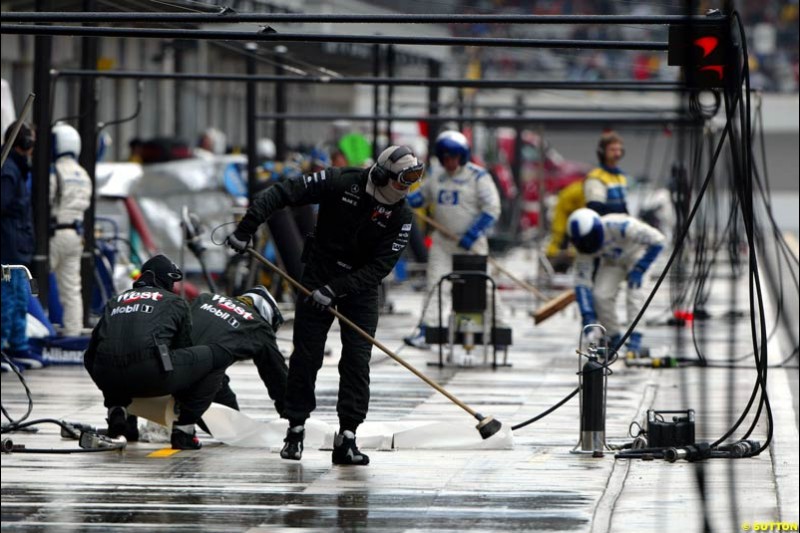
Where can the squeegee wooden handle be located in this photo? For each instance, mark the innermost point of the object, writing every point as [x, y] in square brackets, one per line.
[260, 258]
[553, 306]
[453, 237]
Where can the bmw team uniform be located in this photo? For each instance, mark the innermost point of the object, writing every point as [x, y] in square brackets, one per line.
[466, 203]
[70, 196]
[629, 247]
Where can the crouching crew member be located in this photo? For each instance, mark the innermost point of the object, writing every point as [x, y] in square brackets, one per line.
[244, 327]
[611, 249]
[142, 347]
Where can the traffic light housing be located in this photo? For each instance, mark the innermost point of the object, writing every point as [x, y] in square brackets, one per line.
[705, 50]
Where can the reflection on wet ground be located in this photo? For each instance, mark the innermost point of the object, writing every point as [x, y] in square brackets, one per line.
[536, 486]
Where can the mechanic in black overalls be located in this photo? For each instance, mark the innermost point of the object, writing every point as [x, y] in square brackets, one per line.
[142, 347]
[362, 228]
[245, 327]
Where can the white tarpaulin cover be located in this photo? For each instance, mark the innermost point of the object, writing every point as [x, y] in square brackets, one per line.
[235, 428]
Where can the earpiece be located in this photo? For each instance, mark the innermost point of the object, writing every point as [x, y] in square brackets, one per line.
[379, 175]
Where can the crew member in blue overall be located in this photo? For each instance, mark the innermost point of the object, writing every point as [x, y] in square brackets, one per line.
[17, 245]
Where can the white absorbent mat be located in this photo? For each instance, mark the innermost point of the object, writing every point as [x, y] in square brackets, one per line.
[235, 428]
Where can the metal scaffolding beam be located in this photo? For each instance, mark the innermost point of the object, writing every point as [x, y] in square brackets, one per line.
[230, 17]
[641, 119]
[607, 85]
[269, 35]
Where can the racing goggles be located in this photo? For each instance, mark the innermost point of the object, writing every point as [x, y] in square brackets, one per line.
[410, 175]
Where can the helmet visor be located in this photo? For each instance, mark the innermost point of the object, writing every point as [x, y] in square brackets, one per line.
[410, 175]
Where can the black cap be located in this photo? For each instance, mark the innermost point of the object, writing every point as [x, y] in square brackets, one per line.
[159, 271]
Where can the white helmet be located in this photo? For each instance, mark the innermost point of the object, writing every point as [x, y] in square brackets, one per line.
[265, 149]
[266, 306]
[66, 141]
[214, 141]
[585, 230]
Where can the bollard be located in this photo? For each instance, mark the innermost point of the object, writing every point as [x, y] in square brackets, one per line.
[593, 382]
[593, 414]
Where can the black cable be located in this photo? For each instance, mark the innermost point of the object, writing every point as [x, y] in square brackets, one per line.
[743, 174]
[745, 200]
[678, 245]
[764, 402]
[682, 236]
[21, 378]
[21, 424]
[8, 428]
[543, 414]
[67, 450]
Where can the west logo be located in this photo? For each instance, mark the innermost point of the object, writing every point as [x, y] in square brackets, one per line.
[228, 305]
[132, 296]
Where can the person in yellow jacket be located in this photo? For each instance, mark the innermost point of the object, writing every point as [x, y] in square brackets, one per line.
[605, 187]
[558, 251]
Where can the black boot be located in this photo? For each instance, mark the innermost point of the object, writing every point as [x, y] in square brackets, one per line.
[184, 438]
[293, 443]
[117, 422]
[132, 428]
[345, 451]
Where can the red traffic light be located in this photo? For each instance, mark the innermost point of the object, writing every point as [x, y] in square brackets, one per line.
[703, 49]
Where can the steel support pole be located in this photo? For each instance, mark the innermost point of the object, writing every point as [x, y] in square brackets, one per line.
[87, 128]
[434, 71]
[516, 170]
[40, 187]
[460, 109]
[251, 99]
[541, 181]
[280, 107]
[179, 130]
[376, 99]
[390, 64]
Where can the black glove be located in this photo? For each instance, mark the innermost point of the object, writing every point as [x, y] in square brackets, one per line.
[321, 298]
[238, 241]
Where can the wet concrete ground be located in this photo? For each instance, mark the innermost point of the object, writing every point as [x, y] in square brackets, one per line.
[536, 486]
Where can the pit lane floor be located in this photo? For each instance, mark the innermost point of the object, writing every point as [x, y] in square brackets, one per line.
[536, 486]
